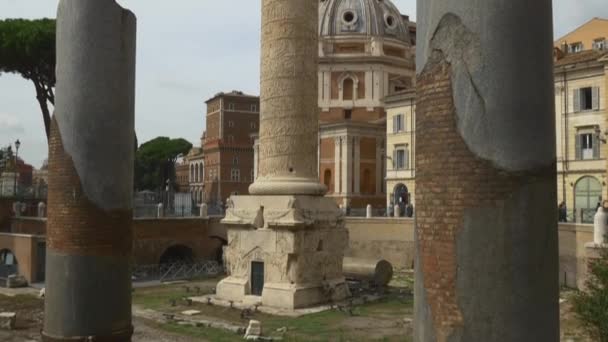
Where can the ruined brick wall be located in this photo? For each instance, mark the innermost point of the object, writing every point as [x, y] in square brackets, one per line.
[5, 214]
[28, 225]
[153, 237]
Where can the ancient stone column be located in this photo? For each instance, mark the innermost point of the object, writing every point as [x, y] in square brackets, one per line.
[286, 241]
[289, 110]
[486, 236]
[89, 236]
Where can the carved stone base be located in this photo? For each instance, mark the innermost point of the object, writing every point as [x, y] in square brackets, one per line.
[298, 242]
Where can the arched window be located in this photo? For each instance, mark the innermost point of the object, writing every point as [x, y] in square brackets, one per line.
[587, 195]
[327, 180]
[200, 171]
[196, 173]
[348, 89]
[191, 173]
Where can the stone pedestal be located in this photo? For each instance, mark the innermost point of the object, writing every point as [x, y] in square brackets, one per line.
[299, 239]
[593, 251]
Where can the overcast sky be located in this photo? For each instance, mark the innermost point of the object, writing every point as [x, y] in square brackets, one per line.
[188, 50]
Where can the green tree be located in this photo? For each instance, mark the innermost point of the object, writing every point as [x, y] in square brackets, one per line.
[27, 48]
[592, 304]
[155, 162]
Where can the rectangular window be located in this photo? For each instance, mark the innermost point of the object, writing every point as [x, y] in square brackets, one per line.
[576, 47]
[254, 108]
[253, 125]
[600, 44]
[399, 123]
[230, 124]
[587, 145]
[348, 114]
[399, 159]
[587, 98]
[231, 106]
[235, 175]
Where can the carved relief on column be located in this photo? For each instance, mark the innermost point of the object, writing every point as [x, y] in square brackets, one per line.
[289, 111]
[357, 164]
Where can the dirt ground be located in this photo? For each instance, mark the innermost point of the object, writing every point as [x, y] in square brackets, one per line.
[386, 320]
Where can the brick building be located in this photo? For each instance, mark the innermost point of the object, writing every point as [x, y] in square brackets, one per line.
[365, 55]
[232, 118]
[182, 174]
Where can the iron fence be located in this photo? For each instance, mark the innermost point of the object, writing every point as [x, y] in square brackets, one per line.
[177, 271]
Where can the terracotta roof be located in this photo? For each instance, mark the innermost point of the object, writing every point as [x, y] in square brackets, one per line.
[580, 57]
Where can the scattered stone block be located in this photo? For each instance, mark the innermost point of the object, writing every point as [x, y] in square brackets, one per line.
[8, 320]
[254, 330]
[190, 312]
[14, 281]
[42, 293]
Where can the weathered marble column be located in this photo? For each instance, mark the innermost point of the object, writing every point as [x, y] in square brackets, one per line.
[89, 236]
[289, 109]
[487, 260]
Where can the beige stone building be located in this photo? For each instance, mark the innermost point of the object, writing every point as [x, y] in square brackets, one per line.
[581, 88]
[365, 53]
[400, 149]
[581, 91]
[590, 36]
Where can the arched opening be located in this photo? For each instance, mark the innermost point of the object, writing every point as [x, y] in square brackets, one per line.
[8, 263]
[587, 196]
[177, 254]
[196, 173]
[192, 173]
[348, 86]
[327, 180]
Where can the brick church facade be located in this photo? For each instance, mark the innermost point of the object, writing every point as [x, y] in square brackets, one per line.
[366, 53]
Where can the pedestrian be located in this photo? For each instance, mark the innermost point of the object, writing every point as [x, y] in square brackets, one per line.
[562, 212]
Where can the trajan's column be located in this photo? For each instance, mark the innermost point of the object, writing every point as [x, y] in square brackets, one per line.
[486, 222]
[89, 236]
[286, 241]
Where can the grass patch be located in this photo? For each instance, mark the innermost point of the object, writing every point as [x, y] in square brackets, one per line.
[382, 320]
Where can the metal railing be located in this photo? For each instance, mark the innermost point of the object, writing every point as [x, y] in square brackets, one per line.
[362, 212]
[177, 271]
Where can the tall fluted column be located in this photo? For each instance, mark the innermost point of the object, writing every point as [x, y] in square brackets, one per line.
[289, 118]
[487, 260]
[89, 235]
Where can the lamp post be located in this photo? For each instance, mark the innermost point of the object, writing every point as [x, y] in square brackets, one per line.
[17, 145]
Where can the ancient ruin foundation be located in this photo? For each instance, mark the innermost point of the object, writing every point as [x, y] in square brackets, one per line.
[88, 280]
[286, 242]
[487, 263]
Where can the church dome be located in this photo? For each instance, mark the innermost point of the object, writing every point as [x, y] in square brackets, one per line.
[362, 17]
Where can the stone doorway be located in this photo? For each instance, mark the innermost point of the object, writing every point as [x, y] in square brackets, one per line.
[257, 278]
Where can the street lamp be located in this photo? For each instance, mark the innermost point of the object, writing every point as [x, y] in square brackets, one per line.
[17, 145]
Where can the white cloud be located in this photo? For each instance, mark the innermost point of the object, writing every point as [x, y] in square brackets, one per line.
[10, 125]
[187, 51]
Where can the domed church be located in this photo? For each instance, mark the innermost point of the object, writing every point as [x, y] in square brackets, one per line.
[366, 52]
